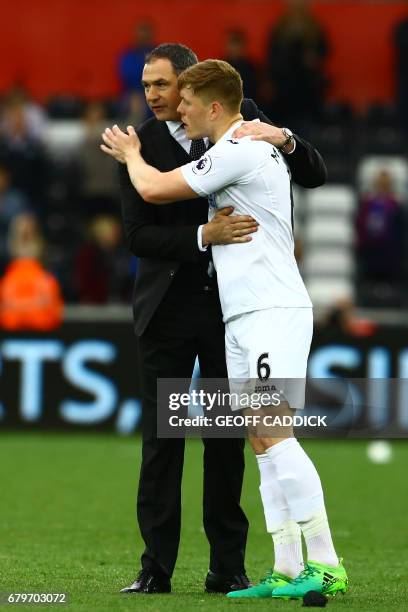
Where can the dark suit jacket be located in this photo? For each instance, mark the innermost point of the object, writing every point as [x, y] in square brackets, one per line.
[164, 237]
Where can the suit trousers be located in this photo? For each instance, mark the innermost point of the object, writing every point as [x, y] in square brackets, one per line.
[183, 327]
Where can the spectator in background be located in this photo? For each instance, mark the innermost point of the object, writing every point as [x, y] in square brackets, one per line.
[296, 52]
[98, 176]
[131, 64]
[24, 153]
[12, 203]
[132, 60]
[30, 297]
[132, 109]
[380, 234]
[237, 56]
[102, 264]
[401, 71]
[342, 318]
[34, 116]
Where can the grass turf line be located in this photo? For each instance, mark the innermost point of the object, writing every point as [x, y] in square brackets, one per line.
[67, 524]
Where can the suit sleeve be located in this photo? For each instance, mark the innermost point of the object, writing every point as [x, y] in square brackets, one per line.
[306, 164]
[148, 238]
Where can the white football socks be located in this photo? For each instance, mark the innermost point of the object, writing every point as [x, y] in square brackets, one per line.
[285, 532]
[274, 503]
[287, 541]
[319, 543]
[302, 490]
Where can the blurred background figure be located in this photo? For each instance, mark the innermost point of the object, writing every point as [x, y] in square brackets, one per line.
[102, 264]
[236, 54]
[401, 72]
[342, 318]
[133, 109]
[30, 297]
[132, 60]
[12, 203]
[21, 146]
[296, 52]
[98, 177]
[35, 118]
[130, 67]
[380, 232]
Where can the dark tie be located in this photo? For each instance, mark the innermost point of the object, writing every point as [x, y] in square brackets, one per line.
[197, 149]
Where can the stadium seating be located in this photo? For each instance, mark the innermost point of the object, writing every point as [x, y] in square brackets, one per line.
[324, 292]
[328, 231]
[63, 137]
[332, 262]
[328, 242]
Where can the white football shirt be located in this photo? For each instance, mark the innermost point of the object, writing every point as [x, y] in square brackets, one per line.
[252, 176]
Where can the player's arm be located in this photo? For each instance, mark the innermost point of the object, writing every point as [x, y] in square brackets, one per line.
[149, 237]
[157, 187]
[154, 187]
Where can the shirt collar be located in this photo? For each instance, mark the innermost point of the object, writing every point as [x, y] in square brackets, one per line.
[173, 126]
[228, 133]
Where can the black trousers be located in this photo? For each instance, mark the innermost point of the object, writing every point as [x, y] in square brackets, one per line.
[182, 328]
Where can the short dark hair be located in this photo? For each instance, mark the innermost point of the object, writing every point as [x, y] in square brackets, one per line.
[180, 56]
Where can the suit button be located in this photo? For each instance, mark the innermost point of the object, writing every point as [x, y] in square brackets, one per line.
[172, 273]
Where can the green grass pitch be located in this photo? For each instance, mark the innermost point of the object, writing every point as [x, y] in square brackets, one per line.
[67, 523]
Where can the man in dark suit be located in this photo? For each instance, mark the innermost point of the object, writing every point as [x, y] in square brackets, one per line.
[178, 317]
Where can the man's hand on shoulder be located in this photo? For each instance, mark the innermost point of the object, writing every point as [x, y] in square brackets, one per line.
[225, 228]
[258, 130]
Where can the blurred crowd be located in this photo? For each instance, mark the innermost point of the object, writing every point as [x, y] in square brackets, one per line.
[70, 196]
[60, 209]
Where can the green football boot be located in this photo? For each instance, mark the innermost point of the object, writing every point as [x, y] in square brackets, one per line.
[265, 588]
[315, 577]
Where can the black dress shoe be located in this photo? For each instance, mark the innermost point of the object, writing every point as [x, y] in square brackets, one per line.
[219, 583]
[147, 582]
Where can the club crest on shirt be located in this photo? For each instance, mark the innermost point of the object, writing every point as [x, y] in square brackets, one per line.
[203, 165]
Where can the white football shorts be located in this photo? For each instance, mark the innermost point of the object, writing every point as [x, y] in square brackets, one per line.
[267, 350]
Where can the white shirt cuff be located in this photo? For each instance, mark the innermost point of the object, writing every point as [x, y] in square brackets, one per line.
[294, 147]
[200, 238]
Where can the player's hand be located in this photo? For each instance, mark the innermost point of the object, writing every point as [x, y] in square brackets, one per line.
[261, 131]
[120, 145]
[226, 228]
